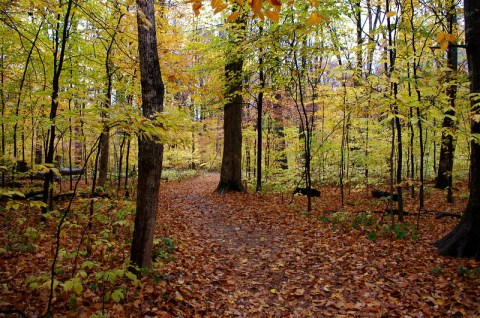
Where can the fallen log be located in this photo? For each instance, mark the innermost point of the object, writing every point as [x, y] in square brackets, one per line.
[308, 192]
[383, 194]
[446, 214]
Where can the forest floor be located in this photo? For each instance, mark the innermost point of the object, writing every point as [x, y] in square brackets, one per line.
[256, 255]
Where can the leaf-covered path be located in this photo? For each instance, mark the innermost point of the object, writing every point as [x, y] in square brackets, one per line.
[249, 255]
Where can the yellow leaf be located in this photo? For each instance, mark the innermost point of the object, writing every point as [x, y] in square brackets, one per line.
[233, 16]
[273, 291]
[391, 14]
[220, 8]
[178, 296]
[326, 288]
[272, 16]
[314, 18]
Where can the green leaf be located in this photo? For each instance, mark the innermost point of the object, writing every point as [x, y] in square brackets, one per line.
[118, 295]
[131, 276]
[88, 264]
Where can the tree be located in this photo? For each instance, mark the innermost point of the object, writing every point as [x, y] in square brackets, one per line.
[231, 173]
[150, 152]
[447, 150]
[104, 145]
[60, 43]
[464, 239]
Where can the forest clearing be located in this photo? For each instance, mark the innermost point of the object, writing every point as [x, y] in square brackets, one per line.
[250, 255]
[232, 158]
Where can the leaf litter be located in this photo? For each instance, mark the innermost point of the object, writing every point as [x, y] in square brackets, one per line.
[255, 255]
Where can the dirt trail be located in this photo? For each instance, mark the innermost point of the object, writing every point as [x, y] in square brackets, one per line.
[248, 255]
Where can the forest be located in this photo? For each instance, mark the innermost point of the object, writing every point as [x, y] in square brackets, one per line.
[232, 158]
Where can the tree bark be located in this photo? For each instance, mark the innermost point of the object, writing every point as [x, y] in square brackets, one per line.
[58, 59]
[447, 149]
[231, 173]
[150, 152]
[104, 144]
[259, 121]
[464, 239]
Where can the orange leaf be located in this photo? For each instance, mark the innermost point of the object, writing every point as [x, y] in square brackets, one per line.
[240, 2]
[233, 16]
[314, 18]
[444, 45]
[220, 8]
[275, 3]
[256, 6]
[440, 37]
[272, 15]
[196, 6]
[391, 14]
[450, 37]
[215, 3]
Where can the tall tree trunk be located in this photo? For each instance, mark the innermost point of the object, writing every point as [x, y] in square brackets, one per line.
[464, 239]
[3, 105]
[150, 152]
[279, 130]
[259, 120]
[398, 126]
[58, 59]
[416, 63]
[104, 144]
[447, 149]
[231, 173]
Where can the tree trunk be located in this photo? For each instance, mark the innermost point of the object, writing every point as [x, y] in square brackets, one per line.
[447, 150]
[259, 121]
[59, 56]
[150, 152]
[279, 130]
[104, 146]
[464, 239]
[231, 173]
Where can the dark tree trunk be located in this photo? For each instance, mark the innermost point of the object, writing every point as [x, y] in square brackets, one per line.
[447, 150]
[259, 121]
[150, 152]
[464, 239]
[58, 59]
[231, 173]
[104, 146]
